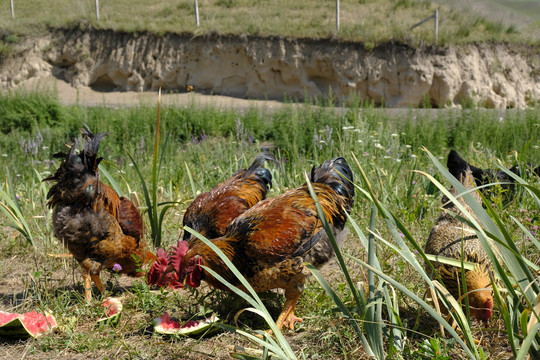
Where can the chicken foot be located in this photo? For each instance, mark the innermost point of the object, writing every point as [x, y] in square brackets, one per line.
[287, 316]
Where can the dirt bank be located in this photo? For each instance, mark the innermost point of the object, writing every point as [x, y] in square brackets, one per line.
[249, 67]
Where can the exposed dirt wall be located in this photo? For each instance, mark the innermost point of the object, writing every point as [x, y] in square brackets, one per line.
[490, 75]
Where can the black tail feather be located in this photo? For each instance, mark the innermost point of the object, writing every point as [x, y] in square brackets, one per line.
[262, 174]
[75, 164]
[91, 147]
[337, 174]
[458, 166]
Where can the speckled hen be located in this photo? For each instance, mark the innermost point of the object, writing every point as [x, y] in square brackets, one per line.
[452, 238]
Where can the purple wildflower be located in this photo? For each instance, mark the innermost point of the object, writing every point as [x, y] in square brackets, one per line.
[117, 267]
[239, 130]
[329, 132]
[203, 136]
[317, 139]
[250, 137]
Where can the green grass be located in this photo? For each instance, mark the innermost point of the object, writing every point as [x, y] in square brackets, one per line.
[368, 21]
[388, 149]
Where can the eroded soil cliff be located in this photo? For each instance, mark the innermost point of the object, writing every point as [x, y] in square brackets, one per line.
[490, 75]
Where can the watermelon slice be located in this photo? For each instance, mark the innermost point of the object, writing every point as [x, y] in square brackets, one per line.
[165, 325]
[30, 324]
[113, 310]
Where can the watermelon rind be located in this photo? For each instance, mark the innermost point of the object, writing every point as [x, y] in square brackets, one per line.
[17, 328]
[200, 327]
[113, 305]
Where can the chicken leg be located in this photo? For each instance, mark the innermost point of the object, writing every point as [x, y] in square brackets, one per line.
[87, 284]
[89, 275]
[287, 316]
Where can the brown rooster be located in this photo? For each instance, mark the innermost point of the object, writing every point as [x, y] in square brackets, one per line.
[211, 212]
[102, 230]
[454, 239]
[271, 241]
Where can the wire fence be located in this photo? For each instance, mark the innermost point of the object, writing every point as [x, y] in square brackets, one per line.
[86, 5]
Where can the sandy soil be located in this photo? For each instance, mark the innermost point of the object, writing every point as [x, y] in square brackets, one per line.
[69, 95]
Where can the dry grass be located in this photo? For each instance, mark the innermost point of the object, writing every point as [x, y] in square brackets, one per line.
[361, 20]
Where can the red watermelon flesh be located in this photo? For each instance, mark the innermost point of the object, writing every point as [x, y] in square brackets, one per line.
[165, 325]
[25, 325]
[113, 310]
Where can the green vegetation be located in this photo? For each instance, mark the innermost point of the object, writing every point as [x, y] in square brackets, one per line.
[393, 213]
[368, 21]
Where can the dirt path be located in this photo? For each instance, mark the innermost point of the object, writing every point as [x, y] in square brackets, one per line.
[87, 96]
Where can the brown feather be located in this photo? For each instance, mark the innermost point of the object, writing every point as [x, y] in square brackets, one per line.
[450, 237]
[97, 226]
[211, 212]
[270, 242]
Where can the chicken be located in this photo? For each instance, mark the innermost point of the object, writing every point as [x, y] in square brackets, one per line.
[447, 238]
[211, 212]
[270, 242]
[100, 229]
[457, 166]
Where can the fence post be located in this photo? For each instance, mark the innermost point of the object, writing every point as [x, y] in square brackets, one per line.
[196, 13]
[97, 10]
[337, 15]
[435, 18]
[436, 35]
[12, 9]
